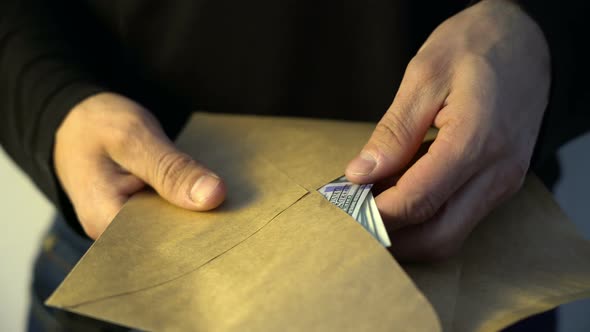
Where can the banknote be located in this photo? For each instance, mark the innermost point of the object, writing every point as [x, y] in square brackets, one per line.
[358, 201]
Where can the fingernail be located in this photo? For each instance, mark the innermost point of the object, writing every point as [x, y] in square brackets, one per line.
[363, 164]
[204, 188]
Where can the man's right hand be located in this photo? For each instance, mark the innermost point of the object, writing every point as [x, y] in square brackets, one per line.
[109, 147]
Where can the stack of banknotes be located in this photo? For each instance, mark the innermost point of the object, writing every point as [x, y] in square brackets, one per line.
[358, 201]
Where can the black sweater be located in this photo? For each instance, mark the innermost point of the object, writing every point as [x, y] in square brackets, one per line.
[313, 58]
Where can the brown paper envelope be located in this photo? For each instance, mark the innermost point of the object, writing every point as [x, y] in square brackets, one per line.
[534, 260]
[524, 258]
[269, 283]
[277, 255]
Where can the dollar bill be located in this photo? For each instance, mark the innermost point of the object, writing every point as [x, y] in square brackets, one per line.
[358, 201]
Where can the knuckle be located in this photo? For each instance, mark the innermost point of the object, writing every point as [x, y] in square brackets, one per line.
[131, 127]
[457, 140]
[127, 131]
[420, 207]
[421, 70]
[391, 131]
[450, 149]
[169, 171]
[466, 146]
[480, 65]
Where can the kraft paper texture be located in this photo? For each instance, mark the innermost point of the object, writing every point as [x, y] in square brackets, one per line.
[277, 256]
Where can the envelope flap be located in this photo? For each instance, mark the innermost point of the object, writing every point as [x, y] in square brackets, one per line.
[150, 241]
[302, 272]
[524, 258]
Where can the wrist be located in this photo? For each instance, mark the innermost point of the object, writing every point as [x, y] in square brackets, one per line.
[526, 32]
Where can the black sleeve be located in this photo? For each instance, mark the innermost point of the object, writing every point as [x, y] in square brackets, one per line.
[42, 77]
[566, 117]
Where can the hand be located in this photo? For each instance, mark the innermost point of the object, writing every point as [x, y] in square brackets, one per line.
[109, 147]
[482, 78]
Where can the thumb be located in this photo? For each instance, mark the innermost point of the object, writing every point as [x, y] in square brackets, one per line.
[399, 134]
[148, 153]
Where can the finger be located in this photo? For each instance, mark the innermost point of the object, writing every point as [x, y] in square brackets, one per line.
[461, 148]
[94, 221]
[104, 196]
[400, 132]
[149, 154]
[450, 161]
[388, 182]
[115, 178]
[442, 236]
